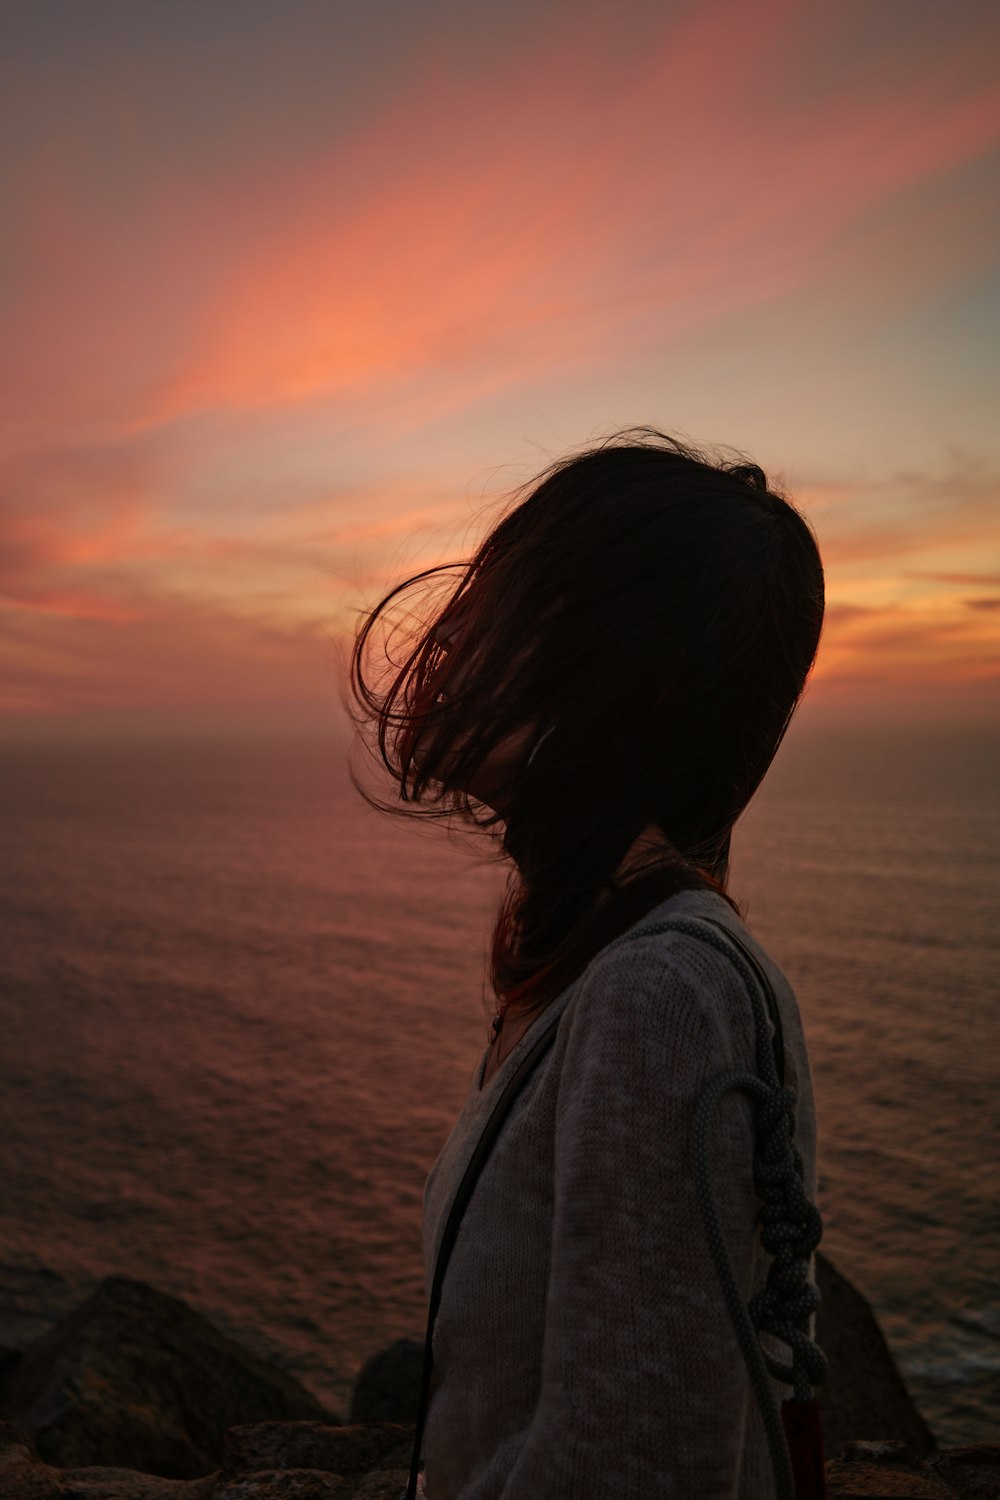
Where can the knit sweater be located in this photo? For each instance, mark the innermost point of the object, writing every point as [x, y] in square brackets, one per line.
[583, 1349]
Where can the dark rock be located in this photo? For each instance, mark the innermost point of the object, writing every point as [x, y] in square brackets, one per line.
[22, 1475]
[864, 1395]
[311, 1445]
[310, 1461]
[100, 1483]
[385, 1484]
[869, 1470]
[972, 1471]
[285, 1484]
[387, 1388]
[865, 1481]
[137, 1379]
[895, 1455]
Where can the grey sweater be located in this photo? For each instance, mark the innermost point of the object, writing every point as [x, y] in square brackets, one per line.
[583, 1349]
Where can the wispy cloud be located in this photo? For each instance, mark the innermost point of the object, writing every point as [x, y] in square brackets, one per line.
[458, 244]
[962, 580]
[888, 622]
[237, 382]
[895, 517]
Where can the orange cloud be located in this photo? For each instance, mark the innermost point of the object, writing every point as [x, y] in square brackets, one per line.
[108, 599]
[478, 230]
[909, 630]
[959, 578]
[507, 262]
[180, 657]
[94, 538]
[68, 506]
[541, 215]
[70, 605]
[906, 650]
[893, 518]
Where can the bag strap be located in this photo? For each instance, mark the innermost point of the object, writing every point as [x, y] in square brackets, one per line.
[488, 1137]
[460, 1201]
[791, 1229]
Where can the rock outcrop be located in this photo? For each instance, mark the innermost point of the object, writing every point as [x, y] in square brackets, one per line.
[387, 1388]
[307, 1461]
[867, 1471]
[135, 1396]
[864, 1395]
[138, 1379]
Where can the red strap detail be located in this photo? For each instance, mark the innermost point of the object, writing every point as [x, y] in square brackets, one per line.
[804, 1435]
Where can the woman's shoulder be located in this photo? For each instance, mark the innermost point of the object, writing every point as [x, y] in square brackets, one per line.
[672, 986]
[664, 1008]
[675, 971]
[694, 929]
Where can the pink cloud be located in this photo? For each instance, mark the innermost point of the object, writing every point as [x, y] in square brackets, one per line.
[73, 605]
[551, 210]
[555, 209]
[904, 515]
[962, 579]
[68, 506]
[179, 655]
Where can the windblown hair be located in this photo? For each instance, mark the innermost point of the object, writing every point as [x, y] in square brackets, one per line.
[649, 616]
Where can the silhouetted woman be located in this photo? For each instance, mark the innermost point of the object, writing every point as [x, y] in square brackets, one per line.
[604, 685]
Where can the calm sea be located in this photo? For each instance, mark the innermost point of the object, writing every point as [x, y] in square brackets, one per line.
[239, 1012]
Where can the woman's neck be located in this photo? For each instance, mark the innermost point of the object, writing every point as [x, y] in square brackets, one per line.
[652, 841]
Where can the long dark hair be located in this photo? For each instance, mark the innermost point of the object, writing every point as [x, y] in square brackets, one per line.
[647, 616]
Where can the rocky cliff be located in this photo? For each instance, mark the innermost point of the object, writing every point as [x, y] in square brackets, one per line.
[312, 1461]
[135, 1396]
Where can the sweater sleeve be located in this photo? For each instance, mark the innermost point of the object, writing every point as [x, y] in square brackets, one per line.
[644, 1388]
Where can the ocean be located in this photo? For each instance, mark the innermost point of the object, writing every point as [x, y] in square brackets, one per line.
[240, 1010]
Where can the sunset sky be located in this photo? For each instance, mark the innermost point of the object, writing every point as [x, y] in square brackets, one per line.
[293, 293]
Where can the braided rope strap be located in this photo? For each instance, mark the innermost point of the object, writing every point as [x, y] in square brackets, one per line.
[791, 1228]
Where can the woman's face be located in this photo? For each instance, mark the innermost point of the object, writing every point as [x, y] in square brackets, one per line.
[491, 781]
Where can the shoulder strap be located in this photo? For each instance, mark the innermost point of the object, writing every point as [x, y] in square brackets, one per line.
[460, 1201]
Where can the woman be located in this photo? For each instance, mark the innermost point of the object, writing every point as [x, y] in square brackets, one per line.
[604, 687]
